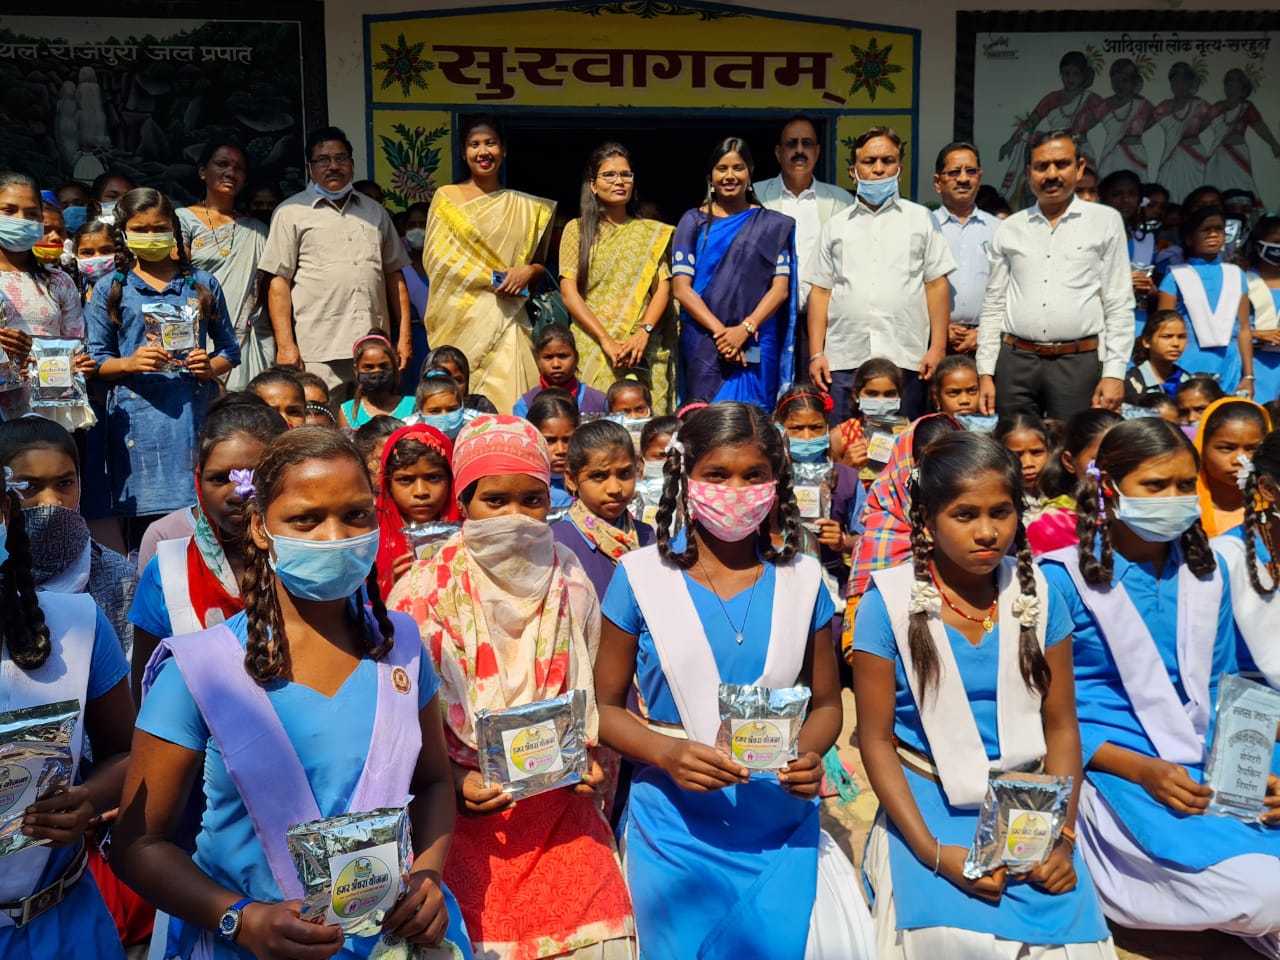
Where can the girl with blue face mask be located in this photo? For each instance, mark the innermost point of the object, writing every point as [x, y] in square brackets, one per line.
[40, 301]
[336, 699]
[439, 402]
[802, 415]
[1153, 633]
[877, 392]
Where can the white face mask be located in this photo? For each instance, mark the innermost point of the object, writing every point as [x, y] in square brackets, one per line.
[653, 469]
[1158, 519]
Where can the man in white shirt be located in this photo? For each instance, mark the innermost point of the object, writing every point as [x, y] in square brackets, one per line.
[1057, 321]
[968, 232]
[881, 288]
[810, 203]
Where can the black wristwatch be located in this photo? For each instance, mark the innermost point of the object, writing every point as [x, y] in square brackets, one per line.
[229, 922]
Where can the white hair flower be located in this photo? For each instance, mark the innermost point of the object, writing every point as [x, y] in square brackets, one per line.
[11, 484]
[925, 598]
[1246, 468]
[675, 444]
[1026, 607]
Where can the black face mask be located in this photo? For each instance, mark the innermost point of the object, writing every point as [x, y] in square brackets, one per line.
[377, 381]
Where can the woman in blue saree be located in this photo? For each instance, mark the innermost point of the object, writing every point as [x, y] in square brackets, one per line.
[732, 265]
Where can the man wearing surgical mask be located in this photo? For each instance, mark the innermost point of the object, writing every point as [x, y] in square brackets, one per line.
[880, 289]
[336, 263]
[799, 194]
[1057, 321]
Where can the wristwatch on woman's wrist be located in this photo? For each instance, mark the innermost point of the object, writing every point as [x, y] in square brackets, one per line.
[647, 328]
[229, 922]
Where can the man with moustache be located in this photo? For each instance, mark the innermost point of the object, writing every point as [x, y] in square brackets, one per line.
[968, 231]
[804, 198]
[1057, 320]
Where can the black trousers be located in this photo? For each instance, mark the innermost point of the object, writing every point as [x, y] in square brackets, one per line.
[1051, 387]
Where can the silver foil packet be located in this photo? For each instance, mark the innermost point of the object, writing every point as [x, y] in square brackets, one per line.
[425, 539]
[35, 761]
[812, 483]
[353, 867]
[534, 748]
[175, 327]
[760, 726]
[1244, 740]
[54, 380]
[389, 949]
[1021, 820]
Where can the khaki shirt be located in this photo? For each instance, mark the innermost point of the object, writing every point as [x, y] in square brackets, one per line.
[338, 261]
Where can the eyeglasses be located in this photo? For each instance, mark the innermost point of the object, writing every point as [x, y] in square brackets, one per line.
[807, 142]
[612, 176]
[969, 172]
[338, 160]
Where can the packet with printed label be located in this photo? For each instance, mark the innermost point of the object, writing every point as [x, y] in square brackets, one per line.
[1244, 740]
[54, 380]
[536, 747]
[1021, 820]
[424, 539]
[881, 432]
[760, 726]
[173, 326]
[35, 761]
[811, 483]
[353, 867]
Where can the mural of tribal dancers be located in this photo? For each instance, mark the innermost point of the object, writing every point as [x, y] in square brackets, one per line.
[1182, 118]
[1057, 110]
[1124, 117]
[1229, 166]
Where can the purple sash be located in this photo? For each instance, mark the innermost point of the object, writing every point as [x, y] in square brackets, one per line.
[260, 758]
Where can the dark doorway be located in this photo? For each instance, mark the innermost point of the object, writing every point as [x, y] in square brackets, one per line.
[546, 155]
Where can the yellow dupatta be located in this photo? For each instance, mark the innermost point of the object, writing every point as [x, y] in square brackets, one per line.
[626, 262]
[466, 242]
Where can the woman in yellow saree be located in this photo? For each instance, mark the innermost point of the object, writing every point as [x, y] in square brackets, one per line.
[616, 282]
[482, 257]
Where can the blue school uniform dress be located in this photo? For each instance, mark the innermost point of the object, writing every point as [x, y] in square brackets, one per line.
[1224, 361]
[153, 419]
[80, 926]
[922, 899]
[1266, 356]
[692, 856]
[331, 736]
[560, 495]
[1170, 841]
[590, 400]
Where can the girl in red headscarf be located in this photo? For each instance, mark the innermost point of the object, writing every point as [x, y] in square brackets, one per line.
[416, 488]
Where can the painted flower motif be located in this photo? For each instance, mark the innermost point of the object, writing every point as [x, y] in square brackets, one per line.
[871, 69]
[404, 65]
[414, 184]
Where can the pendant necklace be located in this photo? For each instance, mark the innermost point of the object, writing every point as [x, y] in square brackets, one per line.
[213, 232]
[725, 610]
[988, 622]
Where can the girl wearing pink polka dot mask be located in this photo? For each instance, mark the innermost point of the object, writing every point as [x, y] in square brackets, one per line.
[719, 602]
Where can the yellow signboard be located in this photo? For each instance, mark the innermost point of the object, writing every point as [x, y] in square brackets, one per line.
[638, 54]
[647, 57]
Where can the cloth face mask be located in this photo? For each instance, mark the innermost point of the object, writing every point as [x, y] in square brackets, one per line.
[95, 268]
[323, 569]
[151, 246]
[730, 513]
[375, 381]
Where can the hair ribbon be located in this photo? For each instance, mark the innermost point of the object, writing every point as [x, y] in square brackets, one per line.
[16, 486]
[1246, 468]
[243, 479]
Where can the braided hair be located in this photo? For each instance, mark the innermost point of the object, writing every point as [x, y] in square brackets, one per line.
[726, 424]
[1123, 449]
[946, 467]
[1266, 464]
[25, 632]
[265, 656]
[140, 201]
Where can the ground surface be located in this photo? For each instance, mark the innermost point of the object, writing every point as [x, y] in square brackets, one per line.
[849, 825]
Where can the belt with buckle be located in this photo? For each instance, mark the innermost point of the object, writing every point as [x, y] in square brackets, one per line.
[22, 912]
[1057, 348]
